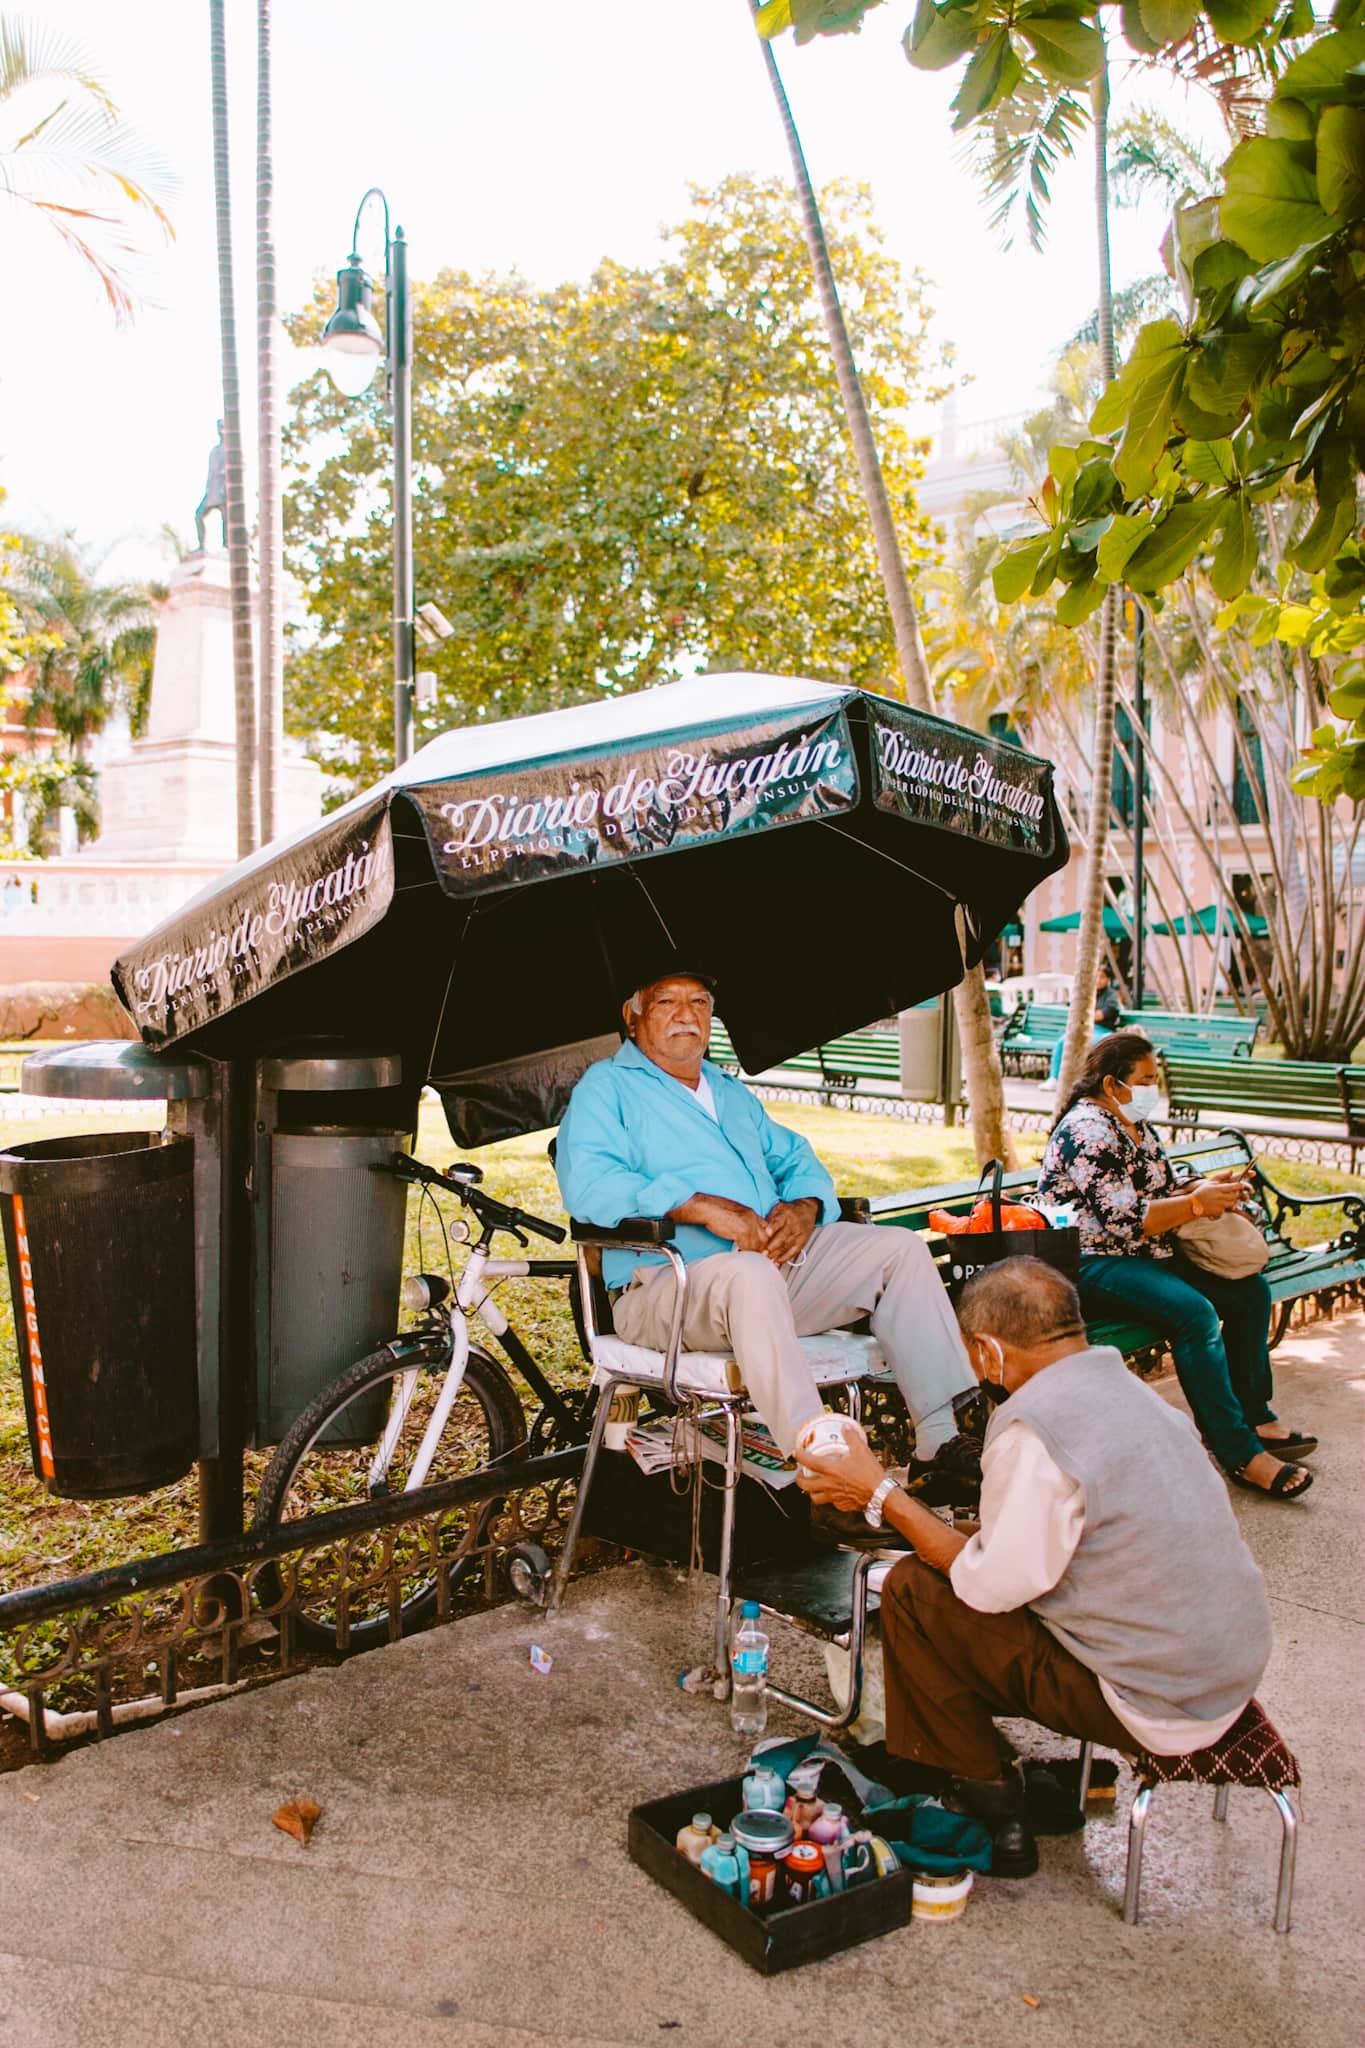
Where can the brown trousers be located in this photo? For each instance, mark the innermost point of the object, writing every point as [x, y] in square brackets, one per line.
[950, 1669]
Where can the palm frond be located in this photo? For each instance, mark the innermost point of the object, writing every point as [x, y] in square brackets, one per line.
[1016, 156]
[1147, 298]
[34, 54]
[1149, 153]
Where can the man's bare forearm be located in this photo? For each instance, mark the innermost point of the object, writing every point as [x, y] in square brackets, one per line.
[934, 1541]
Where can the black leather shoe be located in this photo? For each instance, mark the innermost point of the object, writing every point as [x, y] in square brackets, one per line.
[951, 1478]
[998, 1803]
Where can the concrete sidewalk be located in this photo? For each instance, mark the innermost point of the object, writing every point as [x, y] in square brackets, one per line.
[468, 1882]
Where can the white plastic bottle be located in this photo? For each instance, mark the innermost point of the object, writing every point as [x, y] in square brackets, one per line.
[749, 1673]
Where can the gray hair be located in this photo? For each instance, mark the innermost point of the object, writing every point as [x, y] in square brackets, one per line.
[1024, 1302]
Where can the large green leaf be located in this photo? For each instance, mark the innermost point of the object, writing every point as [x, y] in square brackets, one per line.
[1238, 21]
[1329, 72]
[1224, 369]
[1168, 21]
[1077, 603]
[1271, 206]
[939, 36]
[991, 76]
[1330, 526]
[1341, 161]
[1158, 342]
[1095, 489]
[1014, 572]
[1210, 462]
[1289, 120]
[1234, 558]
[1122, 541]
[1148, 427]
[1134, 31]
[1173, 544]
[1282, 280]
[1065, 49]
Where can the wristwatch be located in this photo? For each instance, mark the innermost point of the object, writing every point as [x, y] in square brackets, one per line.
[873, 1512]
[1197, 1205]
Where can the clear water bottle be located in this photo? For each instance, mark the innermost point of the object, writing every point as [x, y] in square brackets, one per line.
[749, 1673]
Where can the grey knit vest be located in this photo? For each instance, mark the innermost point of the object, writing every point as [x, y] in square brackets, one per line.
[1161, 1598]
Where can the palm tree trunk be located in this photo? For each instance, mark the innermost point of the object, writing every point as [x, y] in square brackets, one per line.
[239, 561]
[980, 1057]
[1090, 938]
[269, 512]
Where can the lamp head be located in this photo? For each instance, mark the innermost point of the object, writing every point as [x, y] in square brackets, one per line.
[352, 342]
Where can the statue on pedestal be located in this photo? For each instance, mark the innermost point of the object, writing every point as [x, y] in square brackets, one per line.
[215, 491]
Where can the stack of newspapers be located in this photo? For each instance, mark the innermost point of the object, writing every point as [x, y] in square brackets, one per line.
[655, 1450]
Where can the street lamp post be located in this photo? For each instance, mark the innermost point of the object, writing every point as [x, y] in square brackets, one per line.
[353, 344]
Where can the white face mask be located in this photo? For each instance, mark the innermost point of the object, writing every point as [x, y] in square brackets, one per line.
[1145, 1103]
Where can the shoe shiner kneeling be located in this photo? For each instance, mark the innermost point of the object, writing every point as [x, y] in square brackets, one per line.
[1107, 1595]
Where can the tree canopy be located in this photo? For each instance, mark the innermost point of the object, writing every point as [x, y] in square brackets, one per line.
[1256, 391]
[618, 481]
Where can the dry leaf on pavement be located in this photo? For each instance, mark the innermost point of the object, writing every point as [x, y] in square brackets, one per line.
[298, 1817]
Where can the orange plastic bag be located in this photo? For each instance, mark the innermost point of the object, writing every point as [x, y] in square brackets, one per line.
[1013, 1216]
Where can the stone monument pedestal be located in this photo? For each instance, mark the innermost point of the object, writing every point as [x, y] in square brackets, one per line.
[172, 796]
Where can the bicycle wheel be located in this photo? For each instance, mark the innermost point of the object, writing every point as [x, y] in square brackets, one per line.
[325, 1462]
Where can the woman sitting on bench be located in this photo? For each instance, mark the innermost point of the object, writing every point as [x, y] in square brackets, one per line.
[1105, 1162]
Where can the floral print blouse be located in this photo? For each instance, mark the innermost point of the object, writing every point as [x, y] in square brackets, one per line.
[1096, 1167]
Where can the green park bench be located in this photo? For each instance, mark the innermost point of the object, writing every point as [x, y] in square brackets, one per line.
[1208, 1038]
[1031, 1034]
[836, 1067]
[1294, 1271]
[1292, 1091]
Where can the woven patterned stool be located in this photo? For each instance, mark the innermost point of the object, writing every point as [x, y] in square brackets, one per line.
[1253, 1753]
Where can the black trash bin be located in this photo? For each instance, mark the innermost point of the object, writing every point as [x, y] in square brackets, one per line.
[99, 1235]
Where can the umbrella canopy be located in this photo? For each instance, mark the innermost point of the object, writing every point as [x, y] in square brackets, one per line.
[486, 908]
[1114, 927]
[1208, 922]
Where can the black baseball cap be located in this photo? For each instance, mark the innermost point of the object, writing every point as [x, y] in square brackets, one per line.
[668, 968]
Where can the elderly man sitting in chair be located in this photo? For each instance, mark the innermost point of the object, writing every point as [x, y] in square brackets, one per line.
[657, 1131]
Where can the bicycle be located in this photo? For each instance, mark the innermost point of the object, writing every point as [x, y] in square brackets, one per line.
[429, 1406]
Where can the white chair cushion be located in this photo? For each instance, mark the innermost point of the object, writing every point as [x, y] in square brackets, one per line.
[835, 1357]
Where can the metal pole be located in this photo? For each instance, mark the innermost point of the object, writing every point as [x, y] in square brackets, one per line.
[1139, 800]
[400, 400]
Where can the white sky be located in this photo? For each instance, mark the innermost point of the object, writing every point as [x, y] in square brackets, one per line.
[537, 136]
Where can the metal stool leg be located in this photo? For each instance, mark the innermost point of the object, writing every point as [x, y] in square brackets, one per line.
[1220, 1801]
[1087, 1758]
[1137, 1829]
[560, 1577]
[1284, 1890]
[733, 1455]
[840, 1717]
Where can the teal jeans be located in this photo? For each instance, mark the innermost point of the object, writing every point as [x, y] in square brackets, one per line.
[1219, 1337]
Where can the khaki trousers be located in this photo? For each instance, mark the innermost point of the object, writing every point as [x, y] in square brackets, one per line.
[742, 1303]
[950, 1670]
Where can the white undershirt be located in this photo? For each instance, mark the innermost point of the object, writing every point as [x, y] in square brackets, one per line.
[703, 1095]
[1032, 1518]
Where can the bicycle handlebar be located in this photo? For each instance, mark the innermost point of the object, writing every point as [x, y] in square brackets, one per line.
[495, 1214]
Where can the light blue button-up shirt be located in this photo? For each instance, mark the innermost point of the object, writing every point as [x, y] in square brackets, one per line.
[636, 1142]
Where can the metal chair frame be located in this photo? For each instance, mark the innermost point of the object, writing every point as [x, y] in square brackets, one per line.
[645, 1234]
[1137, 1835]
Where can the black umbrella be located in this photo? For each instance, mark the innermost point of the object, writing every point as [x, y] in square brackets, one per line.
[487, 906]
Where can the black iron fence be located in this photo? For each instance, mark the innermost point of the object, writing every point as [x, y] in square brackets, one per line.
[92, 1653]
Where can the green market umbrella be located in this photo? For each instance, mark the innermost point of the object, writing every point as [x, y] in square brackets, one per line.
[1207, 921]
[1114, 927]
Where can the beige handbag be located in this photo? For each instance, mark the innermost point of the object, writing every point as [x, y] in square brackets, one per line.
[1229, 1245]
